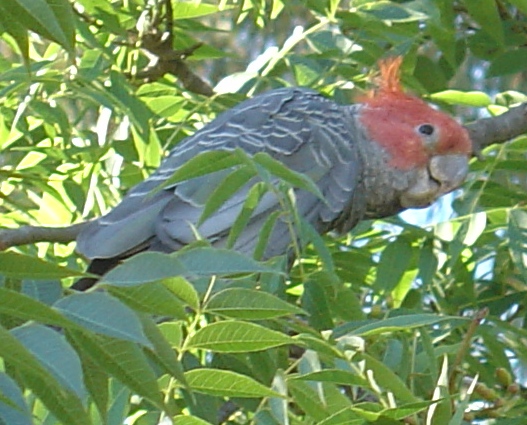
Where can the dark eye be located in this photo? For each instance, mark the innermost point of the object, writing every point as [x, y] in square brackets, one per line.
[426, 129]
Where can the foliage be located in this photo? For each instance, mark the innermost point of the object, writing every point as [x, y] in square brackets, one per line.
[394, 323]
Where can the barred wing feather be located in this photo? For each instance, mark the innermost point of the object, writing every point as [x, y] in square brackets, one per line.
[305, 131]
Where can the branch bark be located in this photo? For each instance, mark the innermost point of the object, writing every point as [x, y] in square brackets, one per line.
[502, 128]
[483, 133]
[27, 235]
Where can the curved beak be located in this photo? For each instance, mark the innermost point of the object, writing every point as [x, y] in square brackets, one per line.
[444, 174]
[449, 171]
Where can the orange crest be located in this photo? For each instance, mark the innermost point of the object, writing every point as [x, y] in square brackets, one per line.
[388, 83]
[390, 80]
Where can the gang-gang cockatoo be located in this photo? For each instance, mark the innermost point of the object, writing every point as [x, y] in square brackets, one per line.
[372, 159]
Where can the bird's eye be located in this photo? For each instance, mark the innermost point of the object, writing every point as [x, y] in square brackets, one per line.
[426, 129]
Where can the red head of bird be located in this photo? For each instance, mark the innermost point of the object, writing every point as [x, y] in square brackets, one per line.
[415, 137]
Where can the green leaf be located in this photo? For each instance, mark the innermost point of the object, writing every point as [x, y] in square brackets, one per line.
[390, 12]
[509, 62]
[55, 354]
[124, 360]
[144, 268]
[26, 308]
[294, 178]
[162, 352]
[486, 14]
[249, 304]
[189, 420]
[224, 383]
[336, 376]
[343, 417]
[520, 4]
[518, 239]
[204, 163]
[315, 301]
[184, 290]
[237, 337]
[61, 401]
[153, 297]
[211, 261]
[13, 264]
[52, 19]
[477, 99]
[308, 399]
[16, 30]
[253, 198]
[394, 324]
[101, 313]
[387, 379]
[394, 262]
[13, 407]
[187, 10]
[231, 184]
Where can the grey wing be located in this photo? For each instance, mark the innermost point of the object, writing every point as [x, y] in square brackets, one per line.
[300, 128]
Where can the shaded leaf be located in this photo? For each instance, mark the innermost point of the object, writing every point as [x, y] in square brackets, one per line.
[13, 264]
[104, 314]
[124, 360]
[55, 354]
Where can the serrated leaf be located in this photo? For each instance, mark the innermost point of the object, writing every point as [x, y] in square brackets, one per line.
[244, 303]
[237, 337]
[224, 383]
[101, 313]
[13, 264]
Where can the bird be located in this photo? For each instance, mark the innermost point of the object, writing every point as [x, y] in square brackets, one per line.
[389, 151]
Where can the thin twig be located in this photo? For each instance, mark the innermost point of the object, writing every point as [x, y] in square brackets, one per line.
[465, 346]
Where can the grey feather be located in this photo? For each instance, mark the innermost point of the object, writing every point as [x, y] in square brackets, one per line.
[302, 129]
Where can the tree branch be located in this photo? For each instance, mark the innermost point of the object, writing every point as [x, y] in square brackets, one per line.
[26, 235]
[483, 133]
[164, 59]
[504, 127]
